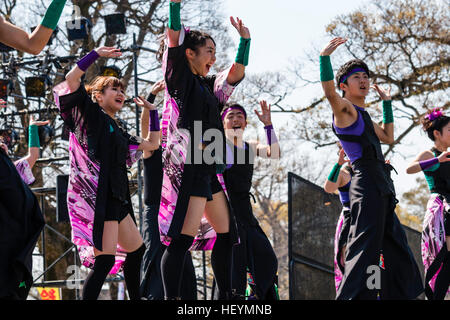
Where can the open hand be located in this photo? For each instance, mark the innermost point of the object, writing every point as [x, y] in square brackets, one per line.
[444, 157]
[264, 116]
[158, 86]
[384, 94]
[240, 27]
[143, 103]
[108, 52]
[342, 158]
[332, 45]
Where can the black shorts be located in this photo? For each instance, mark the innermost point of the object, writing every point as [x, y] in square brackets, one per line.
[116, 210]
[205, 185]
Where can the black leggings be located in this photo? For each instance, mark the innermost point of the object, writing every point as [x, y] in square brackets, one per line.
[95, 279]
[173, 261]
[103, 264]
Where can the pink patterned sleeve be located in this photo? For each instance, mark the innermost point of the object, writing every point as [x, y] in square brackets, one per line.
[24, 169]
[72, 105]
[222, 89]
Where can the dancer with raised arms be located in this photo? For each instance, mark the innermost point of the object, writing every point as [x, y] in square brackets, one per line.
[376, 242]
[194, 211]
[435, 165]
[98, 196]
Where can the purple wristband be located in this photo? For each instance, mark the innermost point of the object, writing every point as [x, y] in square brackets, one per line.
[425, 164]
[154, 121]
[87, 60]
[270, 134]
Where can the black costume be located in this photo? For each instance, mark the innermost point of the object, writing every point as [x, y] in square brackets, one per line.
[151, 284]
[375, 228]
[21, 222]
[254, 252]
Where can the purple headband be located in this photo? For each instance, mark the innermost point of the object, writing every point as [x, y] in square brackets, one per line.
[233, 108]
[436, 113]
[352, 72]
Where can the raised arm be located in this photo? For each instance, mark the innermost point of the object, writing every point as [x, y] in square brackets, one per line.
[151, 140]
[146, 116]
[343, 111]
[385, 132]
[237, 71]
[337, 178]
[426, 160]
[33, 43]
[74, 76]
[272, 148]
[33, 140]
[174, 24]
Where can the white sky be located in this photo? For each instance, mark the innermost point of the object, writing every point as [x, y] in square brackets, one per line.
[284, 29]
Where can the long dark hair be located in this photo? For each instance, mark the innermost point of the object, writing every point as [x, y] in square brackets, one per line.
[193, 39]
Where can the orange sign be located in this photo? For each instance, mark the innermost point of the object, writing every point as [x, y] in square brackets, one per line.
[48, 293]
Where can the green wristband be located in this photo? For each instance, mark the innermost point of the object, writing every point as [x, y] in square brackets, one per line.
[326, 70]
[174, 16]
[388, 115]
[334, 174]
[53, 14]
[33, 136]
[243, 51]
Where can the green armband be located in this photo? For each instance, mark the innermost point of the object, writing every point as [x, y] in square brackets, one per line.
[174, 16]
[33, 136]
[243, 51]
[334, 174]
[326, 70]
[53, 14]
[388, 115]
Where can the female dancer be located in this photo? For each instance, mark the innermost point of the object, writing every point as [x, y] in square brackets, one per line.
[436, 225]
[21, 219]
[375, 228]
[340, 179]
[254, 252]
[151, 284]
[33, 43]
[98, 197]
[190, 185]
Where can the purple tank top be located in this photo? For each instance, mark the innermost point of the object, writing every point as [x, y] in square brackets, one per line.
[353, 150]
[344, 196]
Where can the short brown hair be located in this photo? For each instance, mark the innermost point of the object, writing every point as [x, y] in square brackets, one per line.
[100, 83]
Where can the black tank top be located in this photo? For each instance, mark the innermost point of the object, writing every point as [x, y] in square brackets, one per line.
[238, 181]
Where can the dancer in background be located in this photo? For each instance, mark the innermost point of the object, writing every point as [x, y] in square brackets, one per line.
[192, 195]
[375, 230]
[21, 219]
[20, 216]
[436, 224]
[254, 253]
[98, 196]
[151, 283]
[340, 179]
[33, 43]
